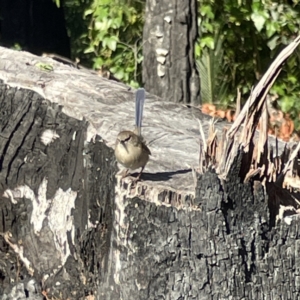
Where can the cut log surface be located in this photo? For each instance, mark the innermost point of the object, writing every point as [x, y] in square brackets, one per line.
[171, 130]
[109, 108]
[70, 228]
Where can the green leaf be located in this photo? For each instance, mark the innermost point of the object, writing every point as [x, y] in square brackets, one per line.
[258, 20]
[272, 43]
[120, 74]
[209, 27]
[88, 12]
[134, 84]
[211, 66]
[271, 28]
[57, 2]
[44, 67]
[98, 62]
[292, 79]
[206, 10]
[17, 47]
[207, 41]
[287, 103]
[140, 59]
[197, 50]
[112, 43]
[89, 50]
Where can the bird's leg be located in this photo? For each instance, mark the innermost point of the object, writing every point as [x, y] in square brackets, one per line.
[139, 176]
[125, 173]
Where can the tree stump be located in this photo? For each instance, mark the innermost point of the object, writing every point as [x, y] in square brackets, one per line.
[72, 229]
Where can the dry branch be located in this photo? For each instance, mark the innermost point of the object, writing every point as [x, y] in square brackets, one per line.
[256, 158]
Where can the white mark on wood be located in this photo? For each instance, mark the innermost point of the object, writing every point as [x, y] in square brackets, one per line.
[116, 255]
[74, 135]
[161, 70]
[161, 52]
[56, 210]
[159, 32]
[90, 224]
[18, 250]
[32, 286]
[288, 214]
[161, 59]
[45, 277]
[91, 133]
[61, 220]
[10, 195]
[288, 220]
[48, 136]
[168, 19]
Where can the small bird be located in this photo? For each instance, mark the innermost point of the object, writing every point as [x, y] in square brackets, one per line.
[131, 150]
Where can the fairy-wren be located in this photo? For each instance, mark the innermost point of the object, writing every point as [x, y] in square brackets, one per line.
[131, 150]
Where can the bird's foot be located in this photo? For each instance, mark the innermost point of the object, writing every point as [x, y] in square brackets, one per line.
[124, 173]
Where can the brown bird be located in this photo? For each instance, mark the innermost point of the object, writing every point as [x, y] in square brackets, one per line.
[131, 150]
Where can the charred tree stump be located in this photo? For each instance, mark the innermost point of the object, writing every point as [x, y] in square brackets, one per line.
[47, 198]
[71, 229]
[170, 33]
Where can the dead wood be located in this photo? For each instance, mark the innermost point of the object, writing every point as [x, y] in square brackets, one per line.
[70, 228]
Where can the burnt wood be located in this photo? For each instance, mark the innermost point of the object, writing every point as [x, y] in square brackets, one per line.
[70, 228]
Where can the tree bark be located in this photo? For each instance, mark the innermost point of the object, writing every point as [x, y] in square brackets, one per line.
[71, 229]
[170, 33]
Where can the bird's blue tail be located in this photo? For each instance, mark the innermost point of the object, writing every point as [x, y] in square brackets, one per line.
[139, 106]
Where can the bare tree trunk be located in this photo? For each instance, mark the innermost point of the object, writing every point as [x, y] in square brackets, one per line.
[170, 32]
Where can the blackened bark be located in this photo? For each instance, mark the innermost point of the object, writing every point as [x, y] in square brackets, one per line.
[170, 32]
[222, 247]
[48, 194]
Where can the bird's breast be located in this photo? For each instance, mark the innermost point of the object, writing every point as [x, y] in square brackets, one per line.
[130, 156]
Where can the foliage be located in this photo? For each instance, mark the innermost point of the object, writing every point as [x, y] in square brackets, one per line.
[113, 37]
[78, 28]
[57, 2]
[253, 32]
[238, 40]
[209, 65]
